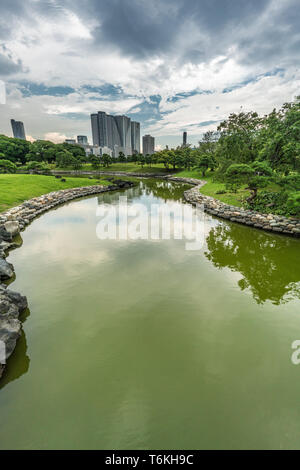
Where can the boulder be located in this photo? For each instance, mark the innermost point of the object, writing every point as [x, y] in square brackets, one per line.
[12, 227]
[10, 330]
[17, 299]
[6, 269]
[5, 235]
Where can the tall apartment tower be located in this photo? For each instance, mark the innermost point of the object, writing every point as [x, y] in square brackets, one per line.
[124, 128]
[184, 139]
[148, 144]
[135, 137]
[18, 129]
[113, 132]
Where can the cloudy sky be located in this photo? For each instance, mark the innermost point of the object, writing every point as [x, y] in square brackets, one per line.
[173, 65]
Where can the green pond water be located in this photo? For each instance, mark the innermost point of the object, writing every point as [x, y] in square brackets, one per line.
[145, 345]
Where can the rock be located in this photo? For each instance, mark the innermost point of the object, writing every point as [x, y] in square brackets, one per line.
[10, 330]
[6, 269]
[12, 227]
[4, 234]
[17, 299]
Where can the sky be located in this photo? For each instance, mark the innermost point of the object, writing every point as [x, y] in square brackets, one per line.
[173, 65]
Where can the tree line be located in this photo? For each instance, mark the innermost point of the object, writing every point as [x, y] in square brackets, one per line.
[258, 153]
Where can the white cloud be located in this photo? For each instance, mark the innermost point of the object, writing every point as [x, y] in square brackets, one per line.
[261, 95]
[56, 137]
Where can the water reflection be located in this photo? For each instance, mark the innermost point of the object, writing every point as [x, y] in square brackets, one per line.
[269, 264]
[18, 364]
[164, 190]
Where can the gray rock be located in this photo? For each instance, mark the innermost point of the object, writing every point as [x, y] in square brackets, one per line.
[12, 227]
[4, 234]
[6, 269]
[10, 330]
[17, 299]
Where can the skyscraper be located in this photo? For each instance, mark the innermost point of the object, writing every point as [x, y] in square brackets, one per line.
[82, 139]
[114, 132]
[184, 139]
[124, 128]
[135, 137]
[148, 144]
[18, 129]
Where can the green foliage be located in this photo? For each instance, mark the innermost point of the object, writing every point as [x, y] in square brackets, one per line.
[32, 165]
[106, 160]
[122, 158]
[14, 150]
[204, 162]
[279, 203]
[65, 159]
[6, 166]
[95, 161]
[293, 204]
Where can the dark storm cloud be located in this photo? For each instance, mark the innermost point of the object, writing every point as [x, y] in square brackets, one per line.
[148, 28]
[143, 28]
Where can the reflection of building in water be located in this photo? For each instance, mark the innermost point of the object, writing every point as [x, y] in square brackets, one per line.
[267, 263]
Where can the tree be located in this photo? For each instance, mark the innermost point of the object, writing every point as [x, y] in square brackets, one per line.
[122, 157]
[255, 176]
[14, 150]
[6, 166]
[65, 159]
[149, 159]
[280, 138]
[106, 160]
[238, 142]
[141, 160]
[204, 162]
[95, 161]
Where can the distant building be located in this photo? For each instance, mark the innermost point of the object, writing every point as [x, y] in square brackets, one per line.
[114, 132]
[135, 137]
[18, 129]
[70, 141]
[96, 150]
[184, 139]
[82, 139]
[148, 144]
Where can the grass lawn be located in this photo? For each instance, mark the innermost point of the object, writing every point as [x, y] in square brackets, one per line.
[15, 189]
[126, 167]
[211, 188]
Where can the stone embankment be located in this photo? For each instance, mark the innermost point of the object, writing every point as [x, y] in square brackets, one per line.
[12, 222]
[269, 222]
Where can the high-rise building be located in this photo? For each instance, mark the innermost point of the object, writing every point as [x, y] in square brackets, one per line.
[114, 132]
[70, 141]
[148, 144]
[184, 139]
[82, 139]
[124, 128]
[18, 129]
[135, 137]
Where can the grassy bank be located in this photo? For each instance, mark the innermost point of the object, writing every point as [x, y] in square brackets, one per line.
[124, 167]
[212, 188]
[15, 189]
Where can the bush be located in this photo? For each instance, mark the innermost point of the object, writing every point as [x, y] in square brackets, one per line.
[6, 166]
